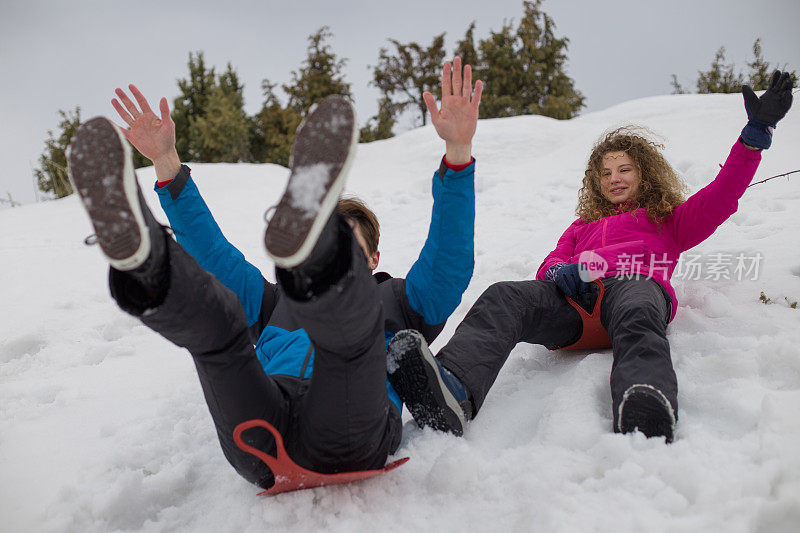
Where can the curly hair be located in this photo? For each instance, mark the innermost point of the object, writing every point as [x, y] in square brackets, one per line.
[660, 190]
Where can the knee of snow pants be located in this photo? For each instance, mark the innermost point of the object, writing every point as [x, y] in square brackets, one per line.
[506, 314]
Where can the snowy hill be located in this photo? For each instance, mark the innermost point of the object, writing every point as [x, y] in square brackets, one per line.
[103, 426]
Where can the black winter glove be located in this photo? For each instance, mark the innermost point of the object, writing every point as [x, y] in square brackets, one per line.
[764, 113]
[568, 278]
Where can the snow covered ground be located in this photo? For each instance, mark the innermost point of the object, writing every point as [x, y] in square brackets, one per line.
[103, 426]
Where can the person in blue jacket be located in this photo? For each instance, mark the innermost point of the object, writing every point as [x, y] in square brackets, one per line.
[308, 353]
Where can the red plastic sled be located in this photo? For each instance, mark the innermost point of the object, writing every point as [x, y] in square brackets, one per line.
[289, 475]
[594, 335]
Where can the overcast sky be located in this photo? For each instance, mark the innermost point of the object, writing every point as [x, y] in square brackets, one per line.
[58, 55]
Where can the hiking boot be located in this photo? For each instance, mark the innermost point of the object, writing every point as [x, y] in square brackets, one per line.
[321, 157]
[646, 409]
[433, 395]
[100, 168]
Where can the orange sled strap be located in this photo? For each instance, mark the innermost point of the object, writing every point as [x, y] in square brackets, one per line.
[594, 335]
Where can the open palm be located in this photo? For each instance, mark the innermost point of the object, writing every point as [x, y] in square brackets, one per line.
[153, 136]
[457, 119]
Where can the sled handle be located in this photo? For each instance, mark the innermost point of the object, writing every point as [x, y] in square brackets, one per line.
[594, 335]
[280, 451]
[595, 314]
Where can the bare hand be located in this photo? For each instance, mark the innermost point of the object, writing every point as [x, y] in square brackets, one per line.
[457, 119]
[154, 137]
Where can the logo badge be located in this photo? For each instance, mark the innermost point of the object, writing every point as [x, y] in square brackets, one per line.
[591, 266]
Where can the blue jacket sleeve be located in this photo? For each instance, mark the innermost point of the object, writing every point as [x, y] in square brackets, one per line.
[199, 234]
[440, 276]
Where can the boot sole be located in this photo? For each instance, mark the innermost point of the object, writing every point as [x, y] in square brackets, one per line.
[416, 370]
[100, 168]
[647, 410]
[322, 154]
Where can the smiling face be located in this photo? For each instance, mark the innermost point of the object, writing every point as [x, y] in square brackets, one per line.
[619, 178]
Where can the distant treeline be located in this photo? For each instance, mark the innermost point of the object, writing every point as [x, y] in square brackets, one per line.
[723, 78]
[522, 67]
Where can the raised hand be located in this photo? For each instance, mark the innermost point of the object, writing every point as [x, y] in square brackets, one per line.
[456, 120]
[763, 113]
[153, 136]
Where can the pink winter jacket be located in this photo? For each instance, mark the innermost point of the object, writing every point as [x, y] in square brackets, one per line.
[631, 243]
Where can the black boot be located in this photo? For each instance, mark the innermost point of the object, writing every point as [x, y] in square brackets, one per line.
[434, 396]
[100, 167]
[646, 408]
[321, 156]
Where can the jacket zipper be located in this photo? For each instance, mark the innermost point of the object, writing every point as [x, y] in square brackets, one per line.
[603, 239]
[305, 361]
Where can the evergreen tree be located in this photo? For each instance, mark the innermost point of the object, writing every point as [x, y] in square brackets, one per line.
[222, 133]
[228, 81]
[502, 75]
[273, 129]
[403, 77]
[210, 122]
[720, 78]
[524, 69]
[51, 176]
[380, 126]
[319, 76]
[760, 72]
[547, 90]
[465, 49]
[677, 88]
[191, 105]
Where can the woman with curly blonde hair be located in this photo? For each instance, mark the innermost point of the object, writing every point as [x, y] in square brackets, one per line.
[660, 190]
[633, 225]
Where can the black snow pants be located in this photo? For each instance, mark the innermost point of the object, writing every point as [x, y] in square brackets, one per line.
[339, 420]
[635, 312]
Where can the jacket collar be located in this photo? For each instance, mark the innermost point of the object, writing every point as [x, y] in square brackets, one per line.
[626, 206]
